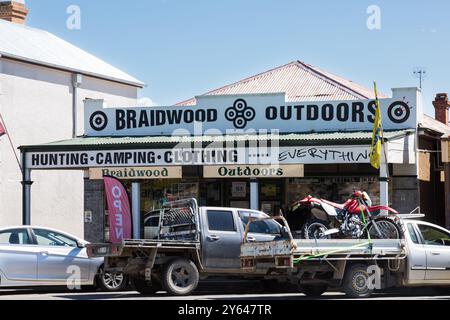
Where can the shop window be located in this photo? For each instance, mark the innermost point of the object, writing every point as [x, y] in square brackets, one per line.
[220, 220]
[337, 189]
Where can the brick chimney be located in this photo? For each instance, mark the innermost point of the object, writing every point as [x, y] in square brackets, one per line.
[441, 105]
[13, 11]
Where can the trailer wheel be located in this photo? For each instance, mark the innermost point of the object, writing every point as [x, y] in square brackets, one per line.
[145, 287]
[180, 277]
[313, 291]
[356, 282]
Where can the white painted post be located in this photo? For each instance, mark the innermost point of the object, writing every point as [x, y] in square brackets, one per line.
[136, 209]
[384, 178]
[254, 194]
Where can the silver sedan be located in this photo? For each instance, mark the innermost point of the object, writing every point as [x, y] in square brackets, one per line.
[35, 256]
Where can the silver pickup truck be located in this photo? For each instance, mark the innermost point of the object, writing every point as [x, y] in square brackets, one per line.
[192, 243]
[358, 267]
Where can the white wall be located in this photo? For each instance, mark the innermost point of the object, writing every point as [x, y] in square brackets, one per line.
[36, 103]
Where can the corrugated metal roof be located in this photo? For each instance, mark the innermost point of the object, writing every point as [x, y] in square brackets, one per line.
[300, 82]
[41, 47]
[159, 140]
[433, 124]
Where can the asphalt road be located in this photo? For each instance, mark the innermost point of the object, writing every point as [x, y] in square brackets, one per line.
[233, 292]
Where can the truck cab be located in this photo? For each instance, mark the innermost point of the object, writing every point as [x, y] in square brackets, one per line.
[222, 232]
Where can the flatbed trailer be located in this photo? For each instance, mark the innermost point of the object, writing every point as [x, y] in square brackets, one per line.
[358, 266]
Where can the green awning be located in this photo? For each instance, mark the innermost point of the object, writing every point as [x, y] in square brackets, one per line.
[341, 138]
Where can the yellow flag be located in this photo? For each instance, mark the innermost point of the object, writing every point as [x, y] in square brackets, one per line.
[375, 153]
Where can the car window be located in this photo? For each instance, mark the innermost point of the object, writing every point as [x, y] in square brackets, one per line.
[220, 220]
[17, 237]
[51, 238]
[434, 236]
[152, 222]
[263, 226]
[412, 233]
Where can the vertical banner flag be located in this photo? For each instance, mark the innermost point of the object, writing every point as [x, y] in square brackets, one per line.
[2, 129]
[119, 210]
[375, 153]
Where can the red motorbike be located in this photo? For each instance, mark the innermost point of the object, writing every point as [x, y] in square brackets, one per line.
[357, 218]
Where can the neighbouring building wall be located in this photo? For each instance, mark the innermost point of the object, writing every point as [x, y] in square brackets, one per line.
[36, 104]
[430, 185]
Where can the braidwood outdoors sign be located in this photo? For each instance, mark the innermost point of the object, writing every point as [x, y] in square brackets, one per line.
[136, 173]
[254, 171]
[222, 114]
[206, 156]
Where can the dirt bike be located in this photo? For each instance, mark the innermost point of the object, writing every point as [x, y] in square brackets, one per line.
[357, 218]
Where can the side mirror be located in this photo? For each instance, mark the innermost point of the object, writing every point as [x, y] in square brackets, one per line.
[80, 245]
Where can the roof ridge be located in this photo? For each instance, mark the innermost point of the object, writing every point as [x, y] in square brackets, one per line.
[330, 80]
[241, 81]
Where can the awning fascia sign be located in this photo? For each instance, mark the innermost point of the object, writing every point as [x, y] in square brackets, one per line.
[254, 171]
[137, 173]
[284, 155]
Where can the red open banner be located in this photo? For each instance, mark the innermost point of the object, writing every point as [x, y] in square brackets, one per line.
[119, 210]
[2, 129]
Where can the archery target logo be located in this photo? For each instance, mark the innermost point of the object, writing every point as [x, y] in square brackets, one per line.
[399, 112]
[240, 114]
[98, 121]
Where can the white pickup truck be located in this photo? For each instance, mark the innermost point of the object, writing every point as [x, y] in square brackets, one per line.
[358, 267]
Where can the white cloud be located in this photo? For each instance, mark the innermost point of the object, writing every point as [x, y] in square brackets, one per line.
[146, 102]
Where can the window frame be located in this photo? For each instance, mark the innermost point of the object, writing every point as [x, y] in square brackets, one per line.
[247, 213]
[235, 229]
[432, 227]
[56, 232]
[26, 230]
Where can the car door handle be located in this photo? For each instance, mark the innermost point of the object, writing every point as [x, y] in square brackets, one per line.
[44, 253]
[435, 253]
[251, 239]
[213, 238]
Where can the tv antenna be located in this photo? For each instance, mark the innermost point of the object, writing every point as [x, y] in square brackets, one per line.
[420, 73]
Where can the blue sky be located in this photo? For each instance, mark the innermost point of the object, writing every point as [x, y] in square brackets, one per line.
[182, 48]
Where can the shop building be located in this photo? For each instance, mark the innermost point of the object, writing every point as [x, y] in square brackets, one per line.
[259, 143]
[43, 83]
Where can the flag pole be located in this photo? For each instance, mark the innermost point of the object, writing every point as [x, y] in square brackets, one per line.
[383, 171]
[10, 142]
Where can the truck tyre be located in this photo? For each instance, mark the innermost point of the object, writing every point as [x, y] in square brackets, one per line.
[356, 282]
[313, 291]
[145, 287]
[180, 277]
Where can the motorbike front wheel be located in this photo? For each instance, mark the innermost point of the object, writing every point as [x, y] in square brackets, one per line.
[387, 228]
[315, 229]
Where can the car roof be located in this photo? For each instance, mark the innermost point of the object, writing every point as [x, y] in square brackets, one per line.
[44, 228]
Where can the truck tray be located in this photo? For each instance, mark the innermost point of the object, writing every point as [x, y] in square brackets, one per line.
[325, 249]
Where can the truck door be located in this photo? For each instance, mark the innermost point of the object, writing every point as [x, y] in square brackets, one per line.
[259, 231]
[221, 239]
[417, 256]
[437, 245]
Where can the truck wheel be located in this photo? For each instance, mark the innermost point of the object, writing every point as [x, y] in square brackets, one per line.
[313, 291]
[356, 280]
[145, 287]
[180, 277]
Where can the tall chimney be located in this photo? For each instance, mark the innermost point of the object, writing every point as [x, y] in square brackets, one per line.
[441, 105]
[13, 11]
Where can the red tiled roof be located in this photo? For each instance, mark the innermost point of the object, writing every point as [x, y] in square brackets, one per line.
[300, 82]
